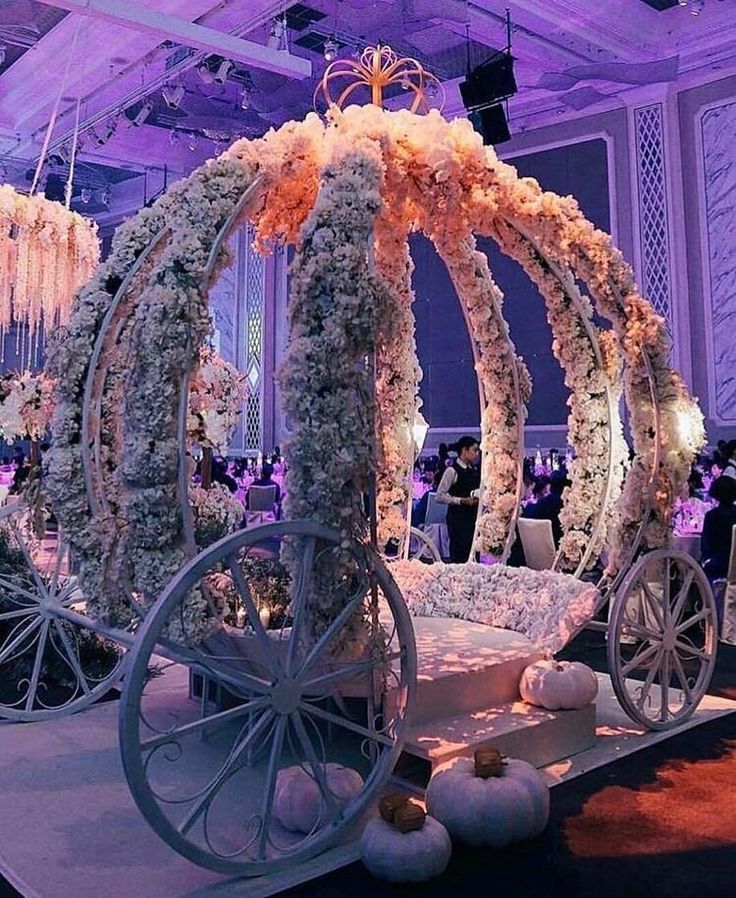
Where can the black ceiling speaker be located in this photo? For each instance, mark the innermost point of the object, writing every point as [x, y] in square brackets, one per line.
[490, 82]
[491, 124]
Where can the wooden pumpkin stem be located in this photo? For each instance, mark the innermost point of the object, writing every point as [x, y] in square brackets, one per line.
[488, 762]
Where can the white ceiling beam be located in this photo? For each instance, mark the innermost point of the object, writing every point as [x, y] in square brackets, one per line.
[167, 27]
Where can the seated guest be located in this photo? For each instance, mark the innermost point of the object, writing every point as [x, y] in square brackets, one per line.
[419, 508]
[266, 479]
[220, 475]
[541, 488]
[720, 455]
[548, 508]
[729, 467]
[715, 543]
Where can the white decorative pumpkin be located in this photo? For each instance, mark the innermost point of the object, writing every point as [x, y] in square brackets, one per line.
[298, 804]
[558, 685]
[405, 857]
[494, 811]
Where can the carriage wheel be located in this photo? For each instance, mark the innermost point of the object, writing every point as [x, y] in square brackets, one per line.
[48, 666]
[662, 639]
[204, 744]
[422, 547]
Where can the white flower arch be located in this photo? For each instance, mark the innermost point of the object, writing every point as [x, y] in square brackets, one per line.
[118, 480]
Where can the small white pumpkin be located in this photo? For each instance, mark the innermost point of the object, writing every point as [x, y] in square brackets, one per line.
[298, 805]
[562, 685]
[494, 811]
[405, 857]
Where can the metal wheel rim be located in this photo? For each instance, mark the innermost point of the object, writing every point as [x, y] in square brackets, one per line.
[48, 631]
[145, 645]
[615, 666]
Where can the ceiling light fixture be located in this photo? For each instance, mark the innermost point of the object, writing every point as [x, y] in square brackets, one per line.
[140, 117]
[86, 195]
[174, 138]
[193, 142]
[207, 76]
[173, 95]
[105, 194]
[245, 97]
[3, 53]
[331, 48]
[223, 70]
[278, 39]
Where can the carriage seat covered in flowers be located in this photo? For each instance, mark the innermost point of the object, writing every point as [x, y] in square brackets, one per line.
[547, 607]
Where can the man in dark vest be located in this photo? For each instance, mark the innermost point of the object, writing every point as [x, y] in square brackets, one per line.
[459, 490]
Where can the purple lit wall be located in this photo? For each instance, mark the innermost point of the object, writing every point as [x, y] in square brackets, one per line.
[449, 387]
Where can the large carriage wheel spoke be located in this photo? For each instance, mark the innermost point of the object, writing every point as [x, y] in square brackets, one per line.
[664, 686]
[299, 602]
[647, 685]
[223, 774]
[37, 662]
[232, 676]
[346, 724]
[682, 596]
[25, 611]
[40, 585]
[348, 671]
[265, 645]
[332, 631]
[13, 588]
[270, 784]
[639, 659]
[318, 768]
[18, 639]
[654, 603]
[634, 628]
[205, 723]
[680, 672]
[73, 658]
[667, 591]
[689, 649]
[703, 614]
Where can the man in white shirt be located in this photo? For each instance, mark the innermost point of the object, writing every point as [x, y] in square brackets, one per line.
[459, 490]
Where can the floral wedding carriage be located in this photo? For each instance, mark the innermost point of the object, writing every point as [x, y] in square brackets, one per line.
[311, 712]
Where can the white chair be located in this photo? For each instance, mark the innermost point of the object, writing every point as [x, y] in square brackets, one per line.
[261, 505]
[436, 511]
[537, 542]
[727, 588]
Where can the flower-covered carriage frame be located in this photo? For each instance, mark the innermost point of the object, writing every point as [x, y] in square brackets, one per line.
[347, 193]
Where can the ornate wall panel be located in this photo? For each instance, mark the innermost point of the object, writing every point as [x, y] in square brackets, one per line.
[654, 241]
[718, 135]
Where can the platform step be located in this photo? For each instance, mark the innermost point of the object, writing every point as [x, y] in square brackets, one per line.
[464, 667]
[517, 729]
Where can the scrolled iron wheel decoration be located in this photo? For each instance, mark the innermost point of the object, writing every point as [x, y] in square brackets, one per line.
[662, 639]
[266, 696]
[49, 665]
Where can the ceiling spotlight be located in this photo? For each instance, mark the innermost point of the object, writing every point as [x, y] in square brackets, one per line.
[193, 142]
[105, 196]
[86, 195]
[245, 97]
[174, 138]
[330, 49]
[682, 3]
[279, 37]
[223, 70]
[140, 117]
[205, 72]
[173, 95]
[697, 7]
[3, 53]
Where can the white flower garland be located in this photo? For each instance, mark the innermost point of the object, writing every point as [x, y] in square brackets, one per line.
[26, 405]
[216, 394]
[546, 607]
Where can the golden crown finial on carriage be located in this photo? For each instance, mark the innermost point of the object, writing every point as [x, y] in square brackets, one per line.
[378, 68]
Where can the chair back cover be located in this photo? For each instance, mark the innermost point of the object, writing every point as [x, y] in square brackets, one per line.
[436, 511]
[261, 498]
[538, 543]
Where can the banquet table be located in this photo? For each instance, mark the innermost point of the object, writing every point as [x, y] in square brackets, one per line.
[688, 542]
